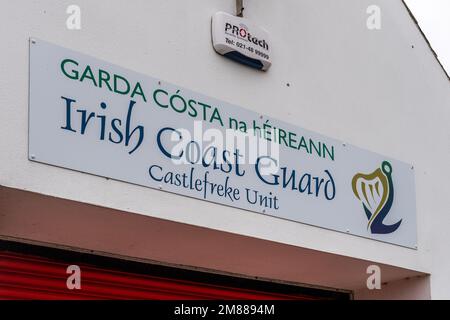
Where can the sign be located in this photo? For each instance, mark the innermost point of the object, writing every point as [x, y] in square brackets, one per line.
[95, 117]
[241, 40]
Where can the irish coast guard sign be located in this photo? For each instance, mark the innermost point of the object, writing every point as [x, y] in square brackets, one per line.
[91, 116]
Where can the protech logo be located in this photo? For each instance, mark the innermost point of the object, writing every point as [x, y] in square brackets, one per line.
[242, 32]
[241, 40]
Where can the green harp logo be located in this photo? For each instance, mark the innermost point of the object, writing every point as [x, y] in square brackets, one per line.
[376, 192]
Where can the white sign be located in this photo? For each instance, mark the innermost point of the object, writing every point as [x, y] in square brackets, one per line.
[241, 40]
[95, 117]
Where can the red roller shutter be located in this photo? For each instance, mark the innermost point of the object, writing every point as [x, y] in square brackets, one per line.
[24, 276]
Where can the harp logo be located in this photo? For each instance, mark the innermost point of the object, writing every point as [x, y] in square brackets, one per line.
[376, 192]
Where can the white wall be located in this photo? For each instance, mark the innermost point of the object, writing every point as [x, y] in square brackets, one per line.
[406, 289]
[369, 88]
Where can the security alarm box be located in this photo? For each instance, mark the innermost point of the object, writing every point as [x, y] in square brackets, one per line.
[241, 40]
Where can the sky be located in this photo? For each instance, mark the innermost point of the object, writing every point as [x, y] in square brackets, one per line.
[433, 17]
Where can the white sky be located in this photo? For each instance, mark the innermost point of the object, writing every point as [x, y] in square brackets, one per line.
[433, 17]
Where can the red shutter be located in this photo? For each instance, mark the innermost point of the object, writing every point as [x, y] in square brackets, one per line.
[24, 276]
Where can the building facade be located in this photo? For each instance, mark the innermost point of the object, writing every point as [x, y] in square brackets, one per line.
[382, 90]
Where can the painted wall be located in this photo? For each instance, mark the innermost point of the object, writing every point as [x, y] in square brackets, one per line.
[381, 90]
[417, 288]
